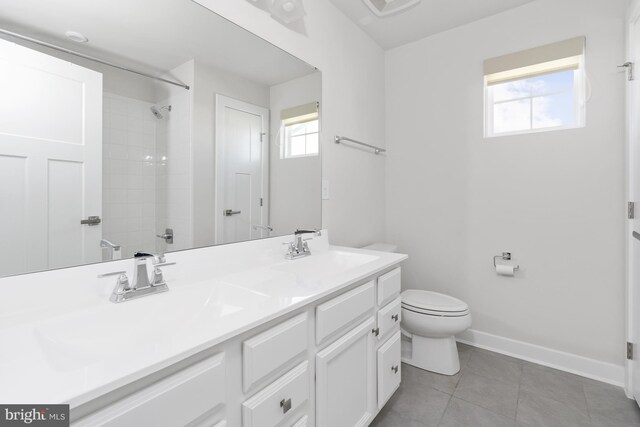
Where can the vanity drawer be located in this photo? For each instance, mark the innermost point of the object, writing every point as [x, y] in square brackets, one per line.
[176, 400]
[276, 402]
[272, 349]
[389, 316]
[389, 368]
[388, 286]
[342, 311]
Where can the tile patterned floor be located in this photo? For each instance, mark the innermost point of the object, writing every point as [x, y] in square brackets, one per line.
[493, 390]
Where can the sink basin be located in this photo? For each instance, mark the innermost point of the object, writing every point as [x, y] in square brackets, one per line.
[325, 263]
[116, 330]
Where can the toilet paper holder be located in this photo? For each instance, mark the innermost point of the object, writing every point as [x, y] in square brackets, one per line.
[506, 256]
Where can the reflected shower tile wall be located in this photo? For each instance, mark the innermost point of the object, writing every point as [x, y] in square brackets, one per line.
[129, 174]
[174, 172]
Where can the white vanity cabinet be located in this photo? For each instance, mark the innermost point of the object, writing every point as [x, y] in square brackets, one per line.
[358, 372]
[332, 363]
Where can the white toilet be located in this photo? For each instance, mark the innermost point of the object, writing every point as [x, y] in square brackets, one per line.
[430, 321]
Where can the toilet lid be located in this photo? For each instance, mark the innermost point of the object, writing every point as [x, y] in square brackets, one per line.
[433, 301]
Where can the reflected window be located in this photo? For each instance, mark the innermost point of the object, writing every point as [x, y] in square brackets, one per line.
[300, 132]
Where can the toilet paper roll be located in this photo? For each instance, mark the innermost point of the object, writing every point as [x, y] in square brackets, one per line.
[505, 270]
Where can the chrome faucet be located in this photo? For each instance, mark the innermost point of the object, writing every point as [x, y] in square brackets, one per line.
[299, 247]
[142, 286]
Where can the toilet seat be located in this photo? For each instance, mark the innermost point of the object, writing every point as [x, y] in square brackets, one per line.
[433, 304]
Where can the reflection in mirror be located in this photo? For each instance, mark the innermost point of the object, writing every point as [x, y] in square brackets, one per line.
[214, 138]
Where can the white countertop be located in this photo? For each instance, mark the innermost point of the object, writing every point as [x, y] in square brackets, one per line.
[63, 341]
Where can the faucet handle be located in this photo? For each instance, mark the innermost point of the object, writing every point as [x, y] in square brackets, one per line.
[164, 264]
[113, 273]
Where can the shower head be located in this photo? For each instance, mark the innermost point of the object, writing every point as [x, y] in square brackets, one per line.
[158, 111]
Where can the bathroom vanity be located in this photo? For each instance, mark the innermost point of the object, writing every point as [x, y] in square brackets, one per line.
[243, 337]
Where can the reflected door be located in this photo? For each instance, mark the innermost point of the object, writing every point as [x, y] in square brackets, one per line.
[50, 161]
[242, 149]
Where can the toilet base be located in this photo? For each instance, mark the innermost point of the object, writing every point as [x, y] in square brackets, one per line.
[439, 355]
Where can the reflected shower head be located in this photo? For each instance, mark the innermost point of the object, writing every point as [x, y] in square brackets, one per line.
[157, 111]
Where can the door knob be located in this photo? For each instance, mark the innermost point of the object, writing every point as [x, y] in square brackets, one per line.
[229, 212]
[167, 236]
[92, 220]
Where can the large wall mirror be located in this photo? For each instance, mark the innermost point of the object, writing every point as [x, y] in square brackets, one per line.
[97, 163]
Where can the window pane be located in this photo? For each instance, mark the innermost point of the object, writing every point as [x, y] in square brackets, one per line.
[312, 143]
[540, 85]
[312, 126]
[510, 90]
[553, 111]
[552, 83]
[512, 116]
[299, 129]
[297, 146]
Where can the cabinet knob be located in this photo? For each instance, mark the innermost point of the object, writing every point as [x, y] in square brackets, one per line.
[395, 317]
[394, 369]
[375, 331]
[285, 404]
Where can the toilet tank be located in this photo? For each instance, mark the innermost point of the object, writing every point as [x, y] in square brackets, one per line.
[382, 247]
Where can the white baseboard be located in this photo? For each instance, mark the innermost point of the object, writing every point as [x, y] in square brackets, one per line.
[585, 367]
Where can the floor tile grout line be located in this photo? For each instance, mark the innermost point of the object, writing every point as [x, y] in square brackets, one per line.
[482, 407]
[445, 410]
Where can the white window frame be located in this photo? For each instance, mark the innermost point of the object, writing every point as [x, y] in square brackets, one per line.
[578, 98]
[285, 145]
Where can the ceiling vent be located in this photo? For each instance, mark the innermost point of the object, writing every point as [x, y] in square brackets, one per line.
[388, 7]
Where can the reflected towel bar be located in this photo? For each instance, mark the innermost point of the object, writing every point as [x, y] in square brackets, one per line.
[377, 150]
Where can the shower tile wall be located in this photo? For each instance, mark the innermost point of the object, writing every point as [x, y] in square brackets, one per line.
[129, 175]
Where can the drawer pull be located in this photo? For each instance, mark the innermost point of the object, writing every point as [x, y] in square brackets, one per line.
[375, 331]
[395, 317]
[394, 369]
[285, 404]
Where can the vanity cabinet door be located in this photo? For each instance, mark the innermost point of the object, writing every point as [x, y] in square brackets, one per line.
[389, 368]
[345, 379]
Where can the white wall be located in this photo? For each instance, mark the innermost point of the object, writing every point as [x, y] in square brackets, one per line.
[294, 184]
[208, 83]
[352, 68]
[555, 199]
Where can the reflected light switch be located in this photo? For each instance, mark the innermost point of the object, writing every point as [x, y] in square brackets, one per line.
[325, 189]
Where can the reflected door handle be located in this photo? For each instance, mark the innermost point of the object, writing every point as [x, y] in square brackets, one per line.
[92, 220]
[230, 212]
[167, 236]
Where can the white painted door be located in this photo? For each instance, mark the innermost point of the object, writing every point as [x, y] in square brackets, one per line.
[50, 161]
[346, 379]
[633, 188]
[241, 179]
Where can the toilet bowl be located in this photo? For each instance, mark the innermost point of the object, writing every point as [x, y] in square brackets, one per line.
[430, 320]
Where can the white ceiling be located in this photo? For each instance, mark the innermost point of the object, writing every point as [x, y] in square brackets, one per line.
[152, 35]
[427, 18]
